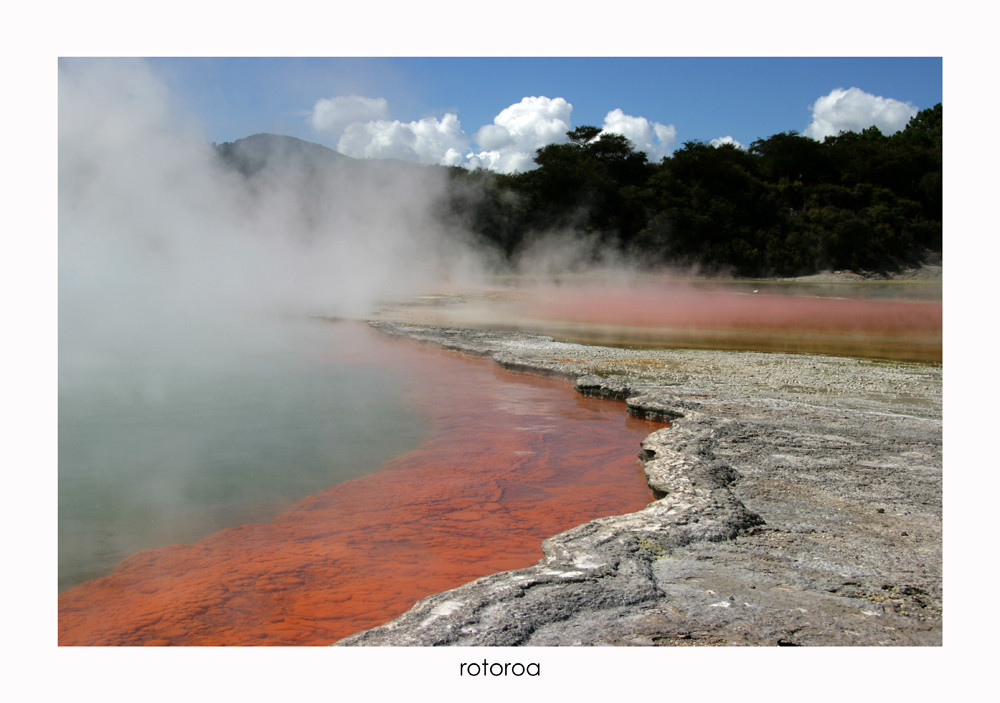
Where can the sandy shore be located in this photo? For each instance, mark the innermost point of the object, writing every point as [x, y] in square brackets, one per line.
[801, 505]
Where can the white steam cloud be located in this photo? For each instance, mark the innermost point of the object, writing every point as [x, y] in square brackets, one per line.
[161, 245]
[854, 110]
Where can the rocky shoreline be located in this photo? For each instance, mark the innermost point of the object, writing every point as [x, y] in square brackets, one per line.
[799, 503]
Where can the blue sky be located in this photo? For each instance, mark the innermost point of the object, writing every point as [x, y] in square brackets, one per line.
[690, 98]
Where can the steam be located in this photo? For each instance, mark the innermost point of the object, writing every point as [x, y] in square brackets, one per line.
[184, 288]
[555, 253]
[162, 245]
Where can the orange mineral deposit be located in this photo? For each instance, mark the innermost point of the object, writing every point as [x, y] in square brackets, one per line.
[512, 459]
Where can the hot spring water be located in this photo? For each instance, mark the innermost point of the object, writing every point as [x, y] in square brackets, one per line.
[160, 449]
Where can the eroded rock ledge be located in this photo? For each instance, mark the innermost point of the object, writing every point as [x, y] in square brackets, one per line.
[778, 522]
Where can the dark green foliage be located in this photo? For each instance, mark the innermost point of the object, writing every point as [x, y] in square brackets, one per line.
[791, 157]
[485, 204]
[788, 205]
[593, 184]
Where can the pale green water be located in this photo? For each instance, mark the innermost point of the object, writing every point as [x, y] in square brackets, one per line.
[164, 450]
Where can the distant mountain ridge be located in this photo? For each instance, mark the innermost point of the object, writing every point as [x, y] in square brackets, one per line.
[265, 151]
[252, 154]
[785, 206]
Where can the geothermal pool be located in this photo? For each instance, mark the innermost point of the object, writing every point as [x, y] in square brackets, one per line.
[890, 320]
[301, 496]
[158, 447]
[505, 461]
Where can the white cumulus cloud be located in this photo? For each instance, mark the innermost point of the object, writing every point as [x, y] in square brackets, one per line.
[362, 129]
[509, 144]
[656, 139]
[728, 139]
[854, 110]
[426, 141]
[331, 116]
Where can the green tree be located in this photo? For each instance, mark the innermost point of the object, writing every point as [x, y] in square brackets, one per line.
[790, 157]
[788, 205]
[718, 212]
[594, 183]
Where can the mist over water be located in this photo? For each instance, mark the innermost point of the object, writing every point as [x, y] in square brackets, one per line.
[194, 393]
[156, 233]
[195, 390]
[158, 451]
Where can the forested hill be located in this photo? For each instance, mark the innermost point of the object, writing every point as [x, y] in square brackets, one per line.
[787, 205]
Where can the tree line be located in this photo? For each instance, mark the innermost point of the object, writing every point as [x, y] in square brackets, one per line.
[787, 205]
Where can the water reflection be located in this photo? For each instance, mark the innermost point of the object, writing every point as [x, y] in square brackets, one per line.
[477, 497]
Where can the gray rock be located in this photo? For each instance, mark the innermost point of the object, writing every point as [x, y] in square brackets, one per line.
[777, 521]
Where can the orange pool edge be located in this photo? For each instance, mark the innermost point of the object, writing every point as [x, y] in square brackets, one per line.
[478, 497]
